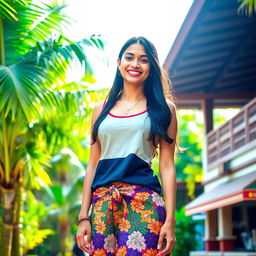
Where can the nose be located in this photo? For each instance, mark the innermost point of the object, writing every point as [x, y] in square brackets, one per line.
[136, 63]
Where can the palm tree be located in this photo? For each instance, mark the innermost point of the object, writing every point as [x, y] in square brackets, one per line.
[34, 58]
[65, 129]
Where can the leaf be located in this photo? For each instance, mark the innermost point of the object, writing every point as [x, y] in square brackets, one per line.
[43, 175]
[19, 87]
[32, 215]
[248, 7]
[7, 11]
[57, 192]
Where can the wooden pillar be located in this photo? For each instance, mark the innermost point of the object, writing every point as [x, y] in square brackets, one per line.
[225, 236]
[207, 107]
[211, 243]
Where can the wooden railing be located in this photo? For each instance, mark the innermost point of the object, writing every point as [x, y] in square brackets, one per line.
[232, 136]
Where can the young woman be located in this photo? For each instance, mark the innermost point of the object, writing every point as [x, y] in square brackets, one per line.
[127, 213]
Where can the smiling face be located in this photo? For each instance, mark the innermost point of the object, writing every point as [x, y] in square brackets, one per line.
[134, 65]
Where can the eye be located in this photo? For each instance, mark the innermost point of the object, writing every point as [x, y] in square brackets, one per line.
[128, 58]
[144, 61]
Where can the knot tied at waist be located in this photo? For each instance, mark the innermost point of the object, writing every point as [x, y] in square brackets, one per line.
[114, 194]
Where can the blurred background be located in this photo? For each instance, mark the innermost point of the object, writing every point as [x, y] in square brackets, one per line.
[58, 58]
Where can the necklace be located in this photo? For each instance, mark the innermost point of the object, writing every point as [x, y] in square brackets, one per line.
[128, 109]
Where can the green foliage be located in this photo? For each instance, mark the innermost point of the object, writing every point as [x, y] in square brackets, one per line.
[7, 10]
[1, 221]
[194, 175]
[31, 149]
[248, 7]
[31, 91]
[189, 162]
[185, 234]
[33, 213]
[63, 197]
[37, 116]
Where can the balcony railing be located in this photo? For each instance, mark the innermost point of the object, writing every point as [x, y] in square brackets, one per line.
[237, 133]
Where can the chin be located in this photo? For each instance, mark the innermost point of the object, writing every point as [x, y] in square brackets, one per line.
[135, 80]
[138, 83]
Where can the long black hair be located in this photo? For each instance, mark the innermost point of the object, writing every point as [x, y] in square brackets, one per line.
[156, 88]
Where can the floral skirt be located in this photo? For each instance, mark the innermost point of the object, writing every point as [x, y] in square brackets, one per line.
[126, 220]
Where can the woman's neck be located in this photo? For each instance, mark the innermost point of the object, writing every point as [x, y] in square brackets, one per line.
[132, 93]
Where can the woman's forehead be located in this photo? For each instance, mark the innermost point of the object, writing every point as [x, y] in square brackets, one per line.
[135, 48]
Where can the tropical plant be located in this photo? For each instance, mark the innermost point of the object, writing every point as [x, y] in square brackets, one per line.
[65, 211]
[63, 199]
[33, 62]
[247, 6]
[33, 213]
[7, 11]
[66, 129]
[189, 162]
[185, 234]
[65, 195]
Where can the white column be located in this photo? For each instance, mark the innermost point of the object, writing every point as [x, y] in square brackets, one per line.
[211, 225]
[225, 222]
[225, 236]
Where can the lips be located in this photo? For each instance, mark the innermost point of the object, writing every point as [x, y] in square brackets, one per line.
[134, 72]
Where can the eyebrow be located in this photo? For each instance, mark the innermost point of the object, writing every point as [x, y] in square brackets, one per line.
[133, 54]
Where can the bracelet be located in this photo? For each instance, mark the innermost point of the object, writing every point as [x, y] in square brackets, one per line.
[85, 218]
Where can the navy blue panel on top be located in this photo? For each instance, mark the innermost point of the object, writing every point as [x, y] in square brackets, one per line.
[131, 169]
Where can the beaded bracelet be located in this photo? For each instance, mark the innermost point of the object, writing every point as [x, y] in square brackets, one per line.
[85, 218]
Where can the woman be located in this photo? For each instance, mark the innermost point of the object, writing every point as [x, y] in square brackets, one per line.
[128, 215]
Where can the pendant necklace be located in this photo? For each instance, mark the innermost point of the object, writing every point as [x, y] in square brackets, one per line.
[128, 110]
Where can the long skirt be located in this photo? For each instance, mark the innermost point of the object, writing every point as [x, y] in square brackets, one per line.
[126, 220]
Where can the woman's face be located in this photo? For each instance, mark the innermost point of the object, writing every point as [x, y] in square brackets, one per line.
[134, 65]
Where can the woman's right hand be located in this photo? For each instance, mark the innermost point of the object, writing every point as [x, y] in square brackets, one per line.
[83, 237]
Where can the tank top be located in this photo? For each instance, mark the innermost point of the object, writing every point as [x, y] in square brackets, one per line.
[126, 152]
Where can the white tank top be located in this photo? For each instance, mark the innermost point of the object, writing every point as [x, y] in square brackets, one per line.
[126, 152]
[120, 136]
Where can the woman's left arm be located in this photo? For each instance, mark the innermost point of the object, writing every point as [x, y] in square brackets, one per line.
[168, 177]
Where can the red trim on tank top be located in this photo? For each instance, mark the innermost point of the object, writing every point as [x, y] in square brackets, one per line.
[129, 115]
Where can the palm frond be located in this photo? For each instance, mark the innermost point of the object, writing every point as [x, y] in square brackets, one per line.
[57, 54]
[35, 23]
[36, 159]
[1, 142]
[248, 7]
[8, 11]
[46, 19]
[20, 88]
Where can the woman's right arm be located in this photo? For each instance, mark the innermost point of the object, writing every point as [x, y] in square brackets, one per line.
[84, 227]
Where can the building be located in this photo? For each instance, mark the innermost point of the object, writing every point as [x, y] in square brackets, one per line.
[212, 64]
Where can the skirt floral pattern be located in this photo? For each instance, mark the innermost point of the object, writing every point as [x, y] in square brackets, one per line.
[126, 220]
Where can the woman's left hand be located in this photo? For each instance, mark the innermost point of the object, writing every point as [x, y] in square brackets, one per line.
[166, 240]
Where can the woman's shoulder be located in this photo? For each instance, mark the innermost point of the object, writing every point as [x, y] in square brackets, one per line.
[99, 106]
[97, 109]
